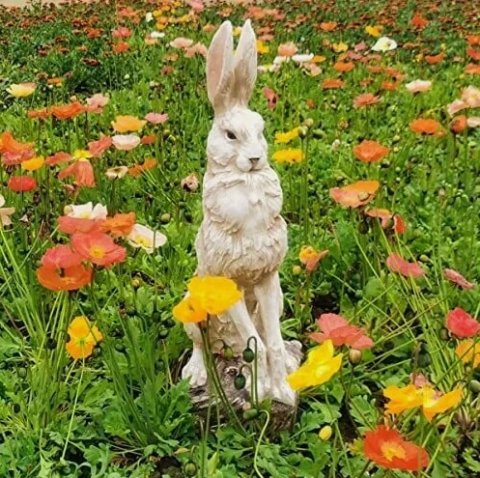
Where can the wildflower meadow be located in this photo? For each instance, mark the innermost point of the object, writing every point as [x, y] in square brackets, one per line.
[372, 119]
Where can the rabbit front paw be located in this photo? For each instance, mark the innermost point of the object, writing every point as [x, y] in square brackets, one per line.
[195, 371]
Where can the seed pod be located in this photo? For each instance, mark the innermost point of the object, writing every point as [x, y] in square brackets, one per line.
[240, 381]
[325, 433]
[444, 334]
[248, 355]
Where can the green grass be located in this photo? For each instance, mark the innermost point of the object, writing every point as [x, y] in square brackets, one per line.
[124, 412]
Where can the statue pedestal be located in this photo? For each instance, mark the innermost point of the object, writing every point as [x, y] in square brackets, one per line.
[282, 416]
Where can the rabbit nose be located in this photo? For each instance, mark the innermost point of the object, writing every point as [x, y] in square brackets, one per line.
[254, 161]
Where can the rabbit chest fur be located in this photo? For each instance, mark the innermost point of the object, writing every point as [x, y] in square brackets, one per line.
[243, 235]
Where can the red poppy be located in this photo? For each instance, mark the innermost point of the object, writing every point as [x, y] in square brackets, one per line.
[408, 269]
[335, 328]
[399, 225]
[71, 225]
[71, 278]
[370, 151]
[98, 147]
[457, 278]
[426, 126]
[68, 111]
[98, 248]
[22, 184]
[365, 99]
[462, 324]
[388, 449]
[82, 172]
[473, 54]
[61, 257]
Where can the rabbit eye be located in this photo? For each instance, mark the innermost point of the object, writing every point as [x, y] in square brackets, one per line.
[230, 135]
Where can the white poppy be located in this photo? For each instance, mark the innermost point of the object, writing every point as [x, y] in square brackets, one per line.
[86, 211]
[384, 44]
[146, 238]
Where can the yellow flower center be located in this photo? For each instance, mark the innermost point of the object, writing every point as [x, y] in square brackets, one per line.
[391, 450]
[144, 241]
[97, 252]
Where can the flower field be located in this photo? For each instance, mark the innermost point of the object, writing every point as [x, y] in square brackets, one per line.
[372, 117]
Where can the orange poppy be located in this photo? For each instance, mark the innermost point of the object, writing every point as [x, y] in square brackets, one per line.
[473, 40]
[426, 126]
[332, 83]
[68, 111]
[328, 26]
[43, 113]
[13, 151]
[389, 85]
[343, 67]
[72, 225]
[434, 59]
[121, 47]
[459, 124]
[473, 54]
[388, 449]
[356, 194]
[70, 278]
[140, 168]
[370, 151]
[472, 69]
[119, 225]
[365, 99]
[418, 21]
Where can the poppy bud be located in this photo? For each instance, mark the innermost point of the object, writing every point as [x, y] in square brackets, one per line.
[355, 356]
[325, 433]
[296, 270]
[165, 218]
[240, 381]
[190, 469]
[249, 414]
[228, 352]
[444, 334]
[135, 282]
[248, 355]
[302, 132]
[474, 386]
[308, 122]
[424, 258]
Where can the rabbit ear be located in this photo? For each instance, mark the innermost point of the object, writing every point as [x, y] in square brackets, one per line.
[220, 67]
[245, 69]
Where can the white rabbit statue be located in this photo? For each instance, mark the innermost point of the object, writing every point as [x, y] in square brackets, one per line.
[243, 235]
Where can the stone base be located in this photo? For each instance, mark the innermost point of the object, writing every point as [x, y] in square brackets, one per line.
[282, 416]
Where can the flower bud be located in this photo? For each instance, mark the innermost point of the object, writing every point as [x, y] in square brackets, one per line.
[240, 381]
[325, 433]
[474, 386]
[355, 356]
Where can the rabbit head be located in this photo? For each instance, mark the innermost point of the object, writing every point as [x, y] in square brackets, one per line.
[236, 141]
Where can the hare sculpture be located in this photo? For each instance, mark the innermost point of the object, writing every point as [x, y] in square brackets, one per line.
[243, 235]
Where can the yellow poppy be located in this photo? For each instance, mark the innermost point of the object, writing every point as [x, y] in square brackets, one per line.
[22, 90]
[288, 156]
[188, 311]
[83, 338]
[469, 353]
[434, 404]
[262, 48]
[283, 138]
[321, 365]
[402, 398]
[33, 164]
[127, 124]
[374, 31]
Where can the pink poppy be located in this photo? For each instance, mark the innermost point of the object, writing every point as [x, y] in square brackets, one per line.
[196, 5]
[121, 32]
[58, 158]
[271, 97]
[335, 328]
[457, 278]
[197, 49]
[98, 147]
[71, 225]
[408, 269]
[61, 257]
[181, 42]
[156, 118]
[461, 324]
[287, 49]
[125, 142]
[96, 103]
